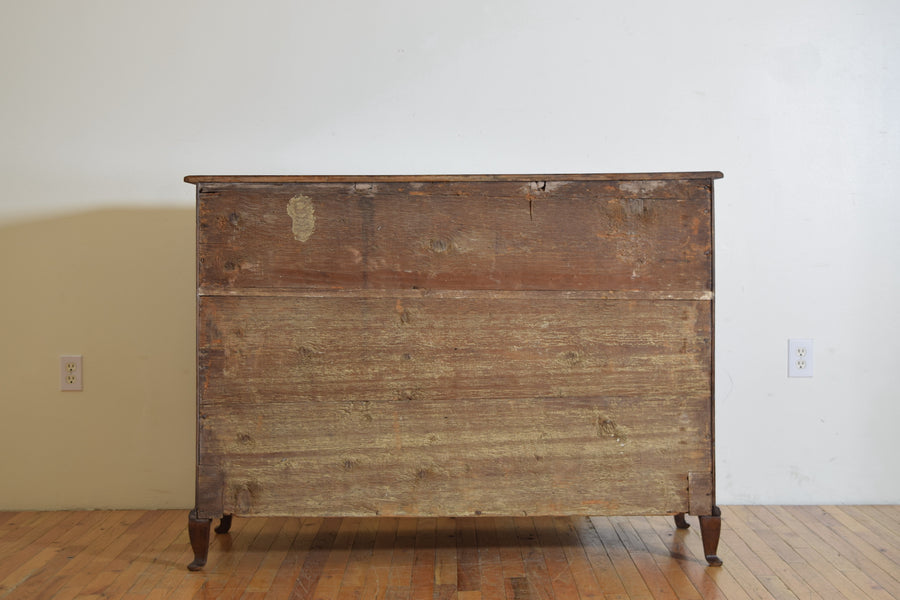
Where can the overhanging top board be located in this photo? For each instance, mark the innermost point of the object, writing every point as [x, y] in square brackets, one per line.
[198, 179]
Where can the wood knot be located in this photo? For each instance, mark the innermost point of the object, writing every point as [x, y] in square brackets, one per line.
[606, 428]
[439, 246]
[572, 358]
[230, 221]
[305, 353]
[609, 429]
[408, 396]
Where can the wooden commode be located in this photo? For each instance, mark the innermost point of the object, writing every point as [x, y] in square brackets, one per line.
[414, 346]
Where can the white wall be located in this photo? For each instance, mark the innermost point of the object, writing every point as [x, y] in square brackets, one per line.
[109, 104]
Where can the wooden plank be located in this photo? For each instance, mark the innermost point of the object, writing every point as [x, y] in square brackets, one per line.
[468, 573]
[281, 179]
[359, 560]
[511, 560]
[291, 567]
[775, 546]
[700, 492]
[889, 516]
[653, 577]
[445, 568]
[264, 577]
[394, 384]
[139, 538]
[123, 528]
[377, 577]
[316, 558]
[601, 562]
[27, 534]
[231, 557]
[269, 349]
[400, 575]
[745, 527]
[559, 570]
[412, 474]
[172, 544]
[562, 235]
[335, 567]
[871, 523]
[490, 566]
[582, 574]
[625, 567]
[796, 554]
[59, 561]
[676, 579]
[875, 552]
[685, 551]
[424, 564]
[243, 573]
[870, 561]
[533, 558]
[830, 563]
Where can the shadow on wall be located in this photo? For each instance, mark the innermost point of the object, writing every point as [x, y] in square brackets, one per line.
[116, 286]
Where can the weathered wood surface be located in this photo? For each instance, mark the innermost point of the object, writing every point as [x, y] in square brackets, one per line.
[805, 552]
[499, 345]
[268, 349]
[452, 406]
[475, 457]
[650, 235]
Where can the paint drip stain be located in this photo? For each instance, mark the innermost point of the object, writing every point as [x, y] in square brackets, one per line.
[303, 215]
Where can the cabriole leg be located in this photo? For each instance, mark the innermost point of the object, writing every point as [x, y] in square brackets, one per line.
[681, 522]
[224, 524]
[710, 528]
[198, 531]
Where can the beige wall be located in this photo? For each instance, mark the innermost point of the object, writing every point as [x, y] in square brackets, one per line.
[117, 287]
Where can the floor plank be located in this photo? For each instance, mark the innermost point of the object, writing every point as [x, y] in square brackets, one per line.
[768, 552]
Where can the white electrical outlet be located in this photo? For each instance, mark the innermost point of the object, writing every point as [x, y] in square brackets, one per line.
[800, 358]
[71, 373]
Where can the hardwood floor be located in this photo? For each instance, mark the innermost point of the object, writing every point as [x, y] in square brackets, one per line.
[797, 552]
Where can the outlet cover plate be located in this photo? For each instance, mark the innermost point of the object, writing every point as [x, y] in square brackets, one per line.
[800, 357]
[71, 373]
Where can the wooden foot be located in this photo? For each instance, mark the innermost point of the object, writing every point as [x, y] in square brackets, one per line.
[681, 522]
[224, 524]
[710, 528]
[198, 531]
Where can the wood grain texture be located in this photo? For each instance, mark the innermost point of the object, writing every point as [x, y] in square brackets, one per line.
[271, 348]
[521, 346]
[769, 552]
[383, 407]
[608, 235]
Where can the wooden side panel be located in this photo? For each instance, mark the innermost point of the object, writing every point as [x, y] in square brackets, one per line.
[553, 235]
[700, 489]
[453, 406]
